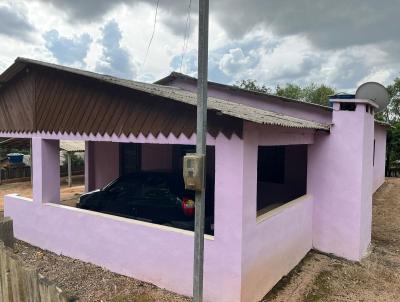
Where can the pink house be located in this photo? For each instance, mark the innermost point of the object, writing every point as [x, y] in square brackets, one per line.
[289, 176]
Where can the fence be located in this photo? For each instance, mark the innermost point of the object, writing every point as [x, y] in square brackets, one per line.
[20, 283]
[24, 173]
[15, 173]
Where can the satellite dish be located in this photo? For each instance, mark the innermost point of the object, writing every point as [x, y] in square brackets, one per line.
[375, 92]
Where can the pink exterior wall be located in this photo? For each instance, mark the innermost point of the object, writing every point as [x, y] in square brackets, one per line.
[310, 112]
[248, 254]
[237, 263]
[102, 164]
[380, 156]
[163, 255]
[274, 243]
[156, 157]
[340, 179]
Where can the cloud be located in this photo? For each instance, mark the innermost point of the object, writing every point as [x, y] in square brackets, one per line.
[340, 43]
[328, 24]
[67, 50]
[14, 24]
[235, 61]
[115, 60]
[84, 11]
[174, 11]
[189, 63]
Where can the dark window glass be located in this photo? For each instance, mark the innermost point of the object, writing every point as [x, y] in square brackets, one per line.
[348, 106]
[271, 164]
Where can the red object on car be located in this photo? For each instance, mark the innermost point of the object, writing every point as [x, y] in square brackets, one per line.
[188, 206]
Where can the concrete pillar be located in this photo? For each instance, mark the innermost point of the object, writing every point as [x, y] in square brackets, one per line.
[46, 170]
[228, 217]
[340, 179]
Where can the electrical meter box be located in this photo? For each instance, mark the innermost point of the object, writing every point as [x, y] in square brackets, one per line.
[193, 170]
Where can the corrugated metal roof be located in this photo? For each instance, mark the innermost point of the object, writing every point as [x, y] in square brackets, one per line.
[69, 146]
[267, 97]
[384, 124]
[222, 106]
[72, 146]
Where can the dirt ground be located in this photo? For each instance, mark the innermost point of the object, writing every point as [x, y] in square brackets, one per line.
[376, 278]
[89, 282]
[318, 277]
[25, 189]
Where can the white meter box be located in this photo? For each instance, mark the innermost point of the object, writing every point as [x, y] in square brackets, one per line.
[193, 170]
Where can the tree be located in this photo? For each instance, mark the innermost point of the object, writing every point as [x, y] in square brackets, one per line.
[291, 91]
[252, 85]
[317, 94]
[313, 93]
[392, 113]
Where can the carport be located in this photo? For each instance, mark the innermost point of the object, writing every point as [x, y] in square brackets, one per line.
[49, 103]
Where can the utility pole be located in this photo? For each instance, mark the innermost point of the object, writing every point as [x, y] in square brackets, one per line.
[201, 135]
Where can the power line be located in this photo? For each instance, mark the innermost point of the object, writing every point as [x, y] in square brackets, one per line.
[152, 35]
[187, 34]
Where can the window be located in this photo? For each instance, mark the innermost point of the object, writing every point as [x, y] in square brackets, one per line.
[281, 175]
[274, 159]
[373, 158]
[348, 106]
[150, 187]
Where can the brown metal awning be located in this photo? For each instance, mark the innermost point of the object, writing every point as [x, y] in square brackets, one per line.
[37, 96]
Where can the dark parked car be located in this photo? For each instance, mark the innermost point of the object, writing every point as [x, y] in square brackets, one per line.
[157, 197]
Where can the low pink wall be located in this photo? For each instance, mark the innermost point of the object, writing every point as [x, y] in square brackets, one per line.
[274, 243]
[157, 254]
[380, 156]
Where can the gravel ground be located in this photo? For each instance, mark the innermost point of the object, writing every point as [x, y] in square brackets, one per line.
[89, 282]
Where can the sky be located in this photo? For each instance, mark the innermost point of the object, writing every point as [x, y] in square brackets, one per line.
[340, 43]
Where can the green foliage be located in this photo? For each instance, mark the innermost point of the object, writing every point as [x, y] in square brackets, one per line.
[253, 86]
[76, 161]
[318, 94]
[313, 93]
[392, 113]
[392, 116]
[291, 91]
[393, 149]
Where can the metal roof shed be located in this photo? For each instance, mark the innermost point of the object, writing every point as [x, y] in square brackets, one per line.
[71, 147]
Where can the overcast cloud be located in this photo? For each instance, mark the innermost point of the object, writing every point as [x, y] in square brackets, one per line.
[67, 50]
[115, 60]
[14, 24]
[340, 43]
